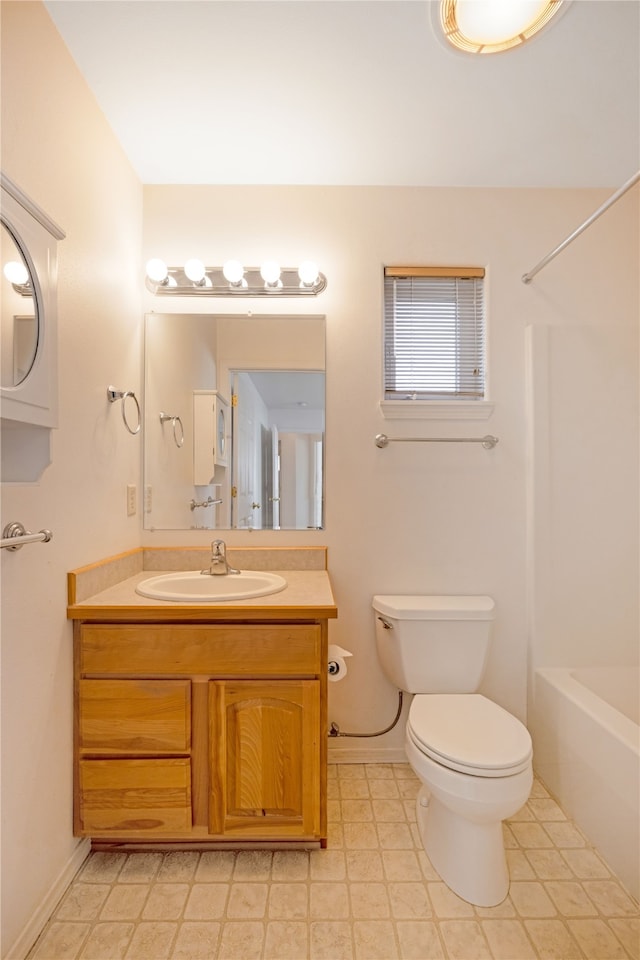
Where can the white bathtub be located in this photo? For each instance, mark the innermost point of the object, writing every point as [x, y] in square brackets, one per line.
[584, 724]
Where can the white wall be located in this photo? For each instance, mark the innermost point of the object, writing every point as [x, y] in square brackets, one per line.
[412, 517]
[57, 147]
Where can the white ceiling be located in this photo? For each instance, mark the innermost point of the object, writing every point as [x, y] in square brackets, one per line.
[358, 92]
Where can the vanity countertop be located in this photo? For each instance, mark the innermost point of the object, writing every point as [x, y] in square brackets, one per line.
[307, 596]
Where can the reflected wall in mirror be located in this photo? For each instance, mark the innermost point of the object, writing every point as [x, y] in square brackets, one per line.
[234, 422]
[19, 316]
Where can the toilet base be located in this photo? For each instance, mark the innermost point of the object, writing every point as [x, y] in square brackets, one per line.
[468, 856]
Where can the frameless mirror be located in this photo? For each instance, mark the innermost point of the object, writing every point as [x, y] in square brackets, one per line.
[234, 422]
[19, 319]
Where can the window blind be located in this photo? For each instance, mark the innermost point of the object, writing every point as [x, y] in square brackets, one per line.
[434, 333]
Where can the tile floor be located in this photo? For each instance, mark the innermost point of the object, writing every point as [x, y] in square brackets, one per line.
[371, 895]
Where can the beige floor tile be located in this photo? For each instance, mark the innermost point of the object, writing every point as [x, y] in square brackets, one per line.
[374, 940]
[329, 901]
[596, 940]
[388, 810]
[107, 941]
[395, 836]
[356, 789]
[409, 901]
[570, 898]
[564, 834]
[464, 940]
[152, 941]
[379, 771]
[384, 789]
[196, 941]
[364, 865]
[419, 939]
[141, 868]
[428, 870]
[369, 900]
[538, 789]
[552, 940]
[586, 864]
[507, 940]
[165, 901]
[356, 810]
[333, 789]
[241, 941]
[501, 911]
[401, 865]
[178, 866]
[525, 813]
[102, 867]
[215, 865]
[610, 899]
[546, 809]
[247, 901]
[402, 771]
[207, 901]
[334, 811]
[531, 836]
[286, 940]
[330, 940]
[327, 865]
[335, 836]
[409, 789]
[446, 903]
[351, 771]
[531, 900]
[290, 865]
[360, 836]
[61, 941]
[627, 930]
[549, 865]
[83, 901]
[519, 865]
[288, 901]
[125, 902]
[253, 865]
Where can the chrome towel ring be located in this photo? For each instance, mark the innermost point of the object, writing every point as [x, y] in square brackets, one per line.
[113, 395]
[174, 421]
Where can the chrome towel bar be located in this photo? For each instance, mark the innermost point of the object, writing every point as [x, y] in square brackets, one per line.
[14, 536]
[487, 442]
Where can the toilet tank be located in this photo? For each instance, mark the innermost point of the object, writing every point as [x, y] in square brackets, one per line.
[429, 644]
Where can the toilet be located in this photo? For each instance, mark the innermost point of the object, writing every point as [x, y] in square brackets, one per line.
[473, 758]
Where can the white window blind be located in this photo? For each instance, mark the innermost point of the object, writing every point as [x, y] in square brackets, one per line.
[434, 333]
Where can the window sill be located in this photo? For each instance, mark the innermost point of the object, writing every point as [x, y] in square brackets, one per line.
[436, 409]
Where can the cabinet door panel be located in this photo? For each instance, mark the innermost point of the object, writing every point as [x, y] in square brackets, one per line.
[144, 796]
[265, 758]
[134, 716]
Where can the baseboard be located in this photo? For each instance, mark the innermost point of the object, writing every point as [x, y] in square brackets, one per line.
[357, 753]
[36, 924]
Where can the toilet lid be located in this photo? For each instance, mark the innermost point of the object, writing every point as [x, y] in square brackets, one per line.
[469, 733]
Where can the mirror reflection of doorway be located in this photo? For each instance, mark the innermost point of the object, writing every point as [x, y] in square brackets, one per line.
[278, 449]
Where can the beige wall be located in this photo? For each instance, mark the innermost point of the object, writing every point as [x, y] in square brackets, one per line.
[58, 148]
[410, 518]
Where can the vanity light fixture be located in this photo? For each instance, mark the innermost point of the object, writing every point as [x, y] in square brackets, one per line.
[492, 26]
[18, 276]
[233, 279]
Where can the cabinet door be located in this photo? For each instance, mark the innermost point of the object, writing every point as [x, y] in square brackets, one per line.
[265, 758]
[134, 717]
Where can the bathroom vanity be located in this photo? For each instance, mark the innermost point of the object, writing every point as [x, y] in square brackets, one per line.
[200, 723]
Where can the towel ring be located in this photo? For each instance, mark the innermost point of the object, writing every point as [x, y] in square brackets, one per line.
[113, 395]
[174, 421]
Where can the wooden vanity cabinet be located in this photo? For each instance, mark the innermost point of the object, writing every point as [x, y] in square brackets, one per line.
[203, 732]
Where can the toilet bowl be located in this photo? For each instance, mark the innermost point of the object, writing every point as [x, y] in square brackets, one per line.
[470, 785]
[474, 759]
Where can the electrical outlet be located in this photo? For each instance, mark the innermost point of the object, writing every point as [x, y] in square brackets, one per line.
[131, 499]
[148, 498]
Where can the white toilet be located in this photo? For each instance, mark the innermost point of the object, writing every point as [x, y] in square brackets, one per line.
[472, 756]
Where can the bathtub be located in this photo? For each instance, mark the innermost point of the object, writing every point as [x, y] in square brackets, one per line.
[586, 737]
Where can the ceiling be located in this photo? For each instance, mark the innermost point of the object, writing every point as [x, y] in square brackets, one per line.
[358, 92]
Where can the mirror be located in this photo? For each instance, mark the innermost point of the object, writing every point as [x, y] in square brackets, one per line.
[234, 422]
[19, 312]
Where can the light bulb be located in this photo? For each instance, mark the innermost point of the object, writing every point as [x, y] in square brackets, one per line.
[270, 272]
[157, 270]
[233, 272]
[16, 272]
[308, 273]
[194, 270]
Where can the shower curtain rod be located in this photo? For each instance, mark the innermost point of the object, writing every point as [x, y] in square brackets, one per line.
[528, 277]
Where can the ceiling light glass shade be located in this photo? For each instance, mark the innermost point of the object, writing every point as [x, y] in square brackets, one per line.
[16, 272]
[308, 272]
[491, 26]
[233, 271]
[157, 270]
[194, 270]
[270, 272]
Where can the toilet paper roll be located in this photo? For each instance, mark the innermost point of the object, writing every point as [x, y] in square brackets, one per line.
[337, 662]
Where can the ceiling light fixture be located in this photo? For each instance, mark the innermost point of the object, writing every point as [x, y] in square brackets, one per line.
[492, 26]
[234, 280]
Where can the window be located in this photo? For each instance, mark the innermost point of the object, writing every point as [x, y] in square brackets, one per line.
[434, 333]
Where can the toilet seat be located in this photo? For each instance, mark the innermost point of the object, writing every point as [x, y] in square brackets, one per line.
[470, 734]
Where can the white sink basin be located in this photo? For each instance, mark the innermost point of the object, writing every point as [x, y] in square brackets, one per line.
[195, 587]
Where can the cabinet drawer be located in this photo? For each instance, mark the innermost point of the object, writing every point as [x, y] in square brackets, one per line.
[145, 796]
[134, 716]
[224, 650]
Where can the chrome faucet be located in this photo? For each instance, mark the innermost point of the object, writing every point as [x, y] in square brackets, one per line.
[218, 565]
